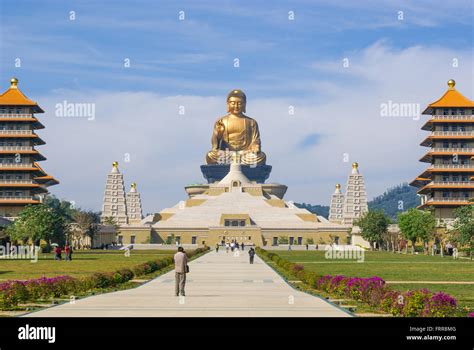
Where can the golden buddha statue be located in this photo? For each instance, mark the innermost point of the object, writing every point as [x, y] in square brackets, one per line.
[235, 132]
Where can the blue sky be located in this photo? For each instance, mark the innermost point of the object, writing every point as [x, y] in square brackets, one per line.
[196, 55]
[282, 62]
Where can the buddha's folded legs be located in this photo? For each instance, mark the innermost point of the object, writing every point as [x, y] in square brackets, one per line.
[252, 158]
[219, 157]
[225, 157]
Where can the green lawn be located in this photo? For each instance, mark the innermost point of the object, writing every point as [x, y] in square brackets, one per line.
[397, 267]
[83, 263]
[389, 266]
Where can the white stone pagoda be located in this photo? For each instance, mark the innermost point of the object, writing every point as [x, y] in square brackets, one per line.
[114, 205]
[355, 199]
[337, 205]
[134, 205]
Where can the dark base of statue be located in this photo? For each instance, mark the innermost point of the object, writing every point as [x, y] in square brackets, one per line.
[216, 172]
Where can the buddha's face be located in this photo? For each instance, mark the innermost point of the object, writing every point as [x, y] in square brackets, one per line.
[235, 105]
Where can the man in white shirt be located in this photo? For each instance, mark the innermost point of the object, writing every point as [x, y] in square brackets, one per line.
[180, 263]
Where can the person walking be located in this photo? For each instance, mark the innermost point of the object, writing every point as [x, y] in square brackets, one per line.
[66, 252]
[57, 250]
[227, 247]
[243, 246]
[181, 268]
[217, 247]
[251, 255]
[70, 253]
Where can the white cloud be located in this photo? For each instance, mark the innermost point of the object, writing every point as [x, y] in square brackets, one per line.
[166, 149]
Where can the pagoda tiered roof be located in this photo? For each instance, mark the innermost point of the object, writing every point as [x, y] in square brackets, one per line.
[451, 99]
[14, 97]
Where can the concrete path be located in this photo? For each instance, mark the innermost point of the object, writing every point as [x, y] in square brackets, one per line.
[220, 284]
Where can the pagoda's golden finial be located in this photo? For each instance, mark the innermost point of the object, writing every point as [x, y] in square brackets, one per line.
[133, 185]
[338, 186]
[115, 164]
[355, 165]
[451, 83]
[13, 83]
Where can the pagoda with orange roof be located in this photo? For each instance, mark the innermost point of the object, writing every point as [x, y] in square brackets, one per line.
[446, 183]
[22, 180]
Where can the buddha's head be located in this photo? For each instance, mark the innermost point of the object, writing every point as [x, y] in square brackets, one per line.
[236, 101]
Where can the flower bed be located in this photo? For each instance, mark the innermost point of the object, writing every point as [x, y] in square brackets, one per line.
[372, 291]
[16, 292]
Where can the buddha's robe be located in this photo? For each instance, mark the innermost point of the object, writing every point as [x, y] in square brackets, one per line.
[236, 134]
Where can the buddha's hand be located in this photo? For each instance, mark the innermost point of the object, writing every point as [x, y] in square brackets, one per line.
[220, 128]
[254, 149]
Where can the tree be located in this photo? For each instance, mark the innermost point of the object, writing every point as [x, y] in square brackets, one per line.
[283, 240]
[463, 227]
[86, 222]
[109, 220]
[391, 240]
[62, 207]
[373, 225]
[416, 224]
[38, 222]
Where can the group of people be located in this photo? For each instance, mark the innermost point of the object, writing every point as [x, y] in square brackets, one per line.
[67, 251]
[231, 246]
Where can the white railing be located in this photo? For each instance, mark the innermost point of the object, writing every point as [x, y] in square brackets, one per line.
[457, 117]
[15, 198]
[16, 132]
[449, 199]
[453, 166]
[451, 183]
[16, 165]
[447, 149]
[15, 115]
[452, 133]
[22, 181]
[16, 148]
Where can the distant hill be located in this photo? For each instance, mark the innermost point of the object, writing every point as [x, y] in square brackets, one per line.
[389, 202]
[404, 195]
[322, 210]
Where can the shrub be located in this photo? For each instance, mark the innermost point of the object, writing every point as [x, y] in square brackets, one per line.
[373, 291]
[102, 280]
[297, 268]
[11, 293]
[415, 303]
[441, 305]
[123, 276]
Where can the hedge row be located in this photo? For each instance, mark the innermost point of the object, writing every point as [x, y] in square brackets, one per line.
[14, 292]
[372, 291]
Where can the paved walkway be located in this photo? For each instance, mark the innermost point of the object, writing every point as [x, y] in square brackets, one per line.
[219, 285]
